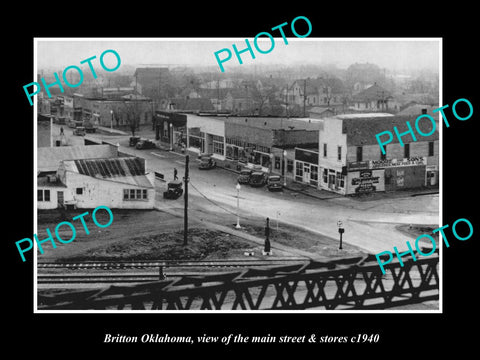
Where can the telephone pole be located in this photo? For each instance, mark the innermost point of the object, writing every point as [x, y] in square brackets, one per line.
[185, 197]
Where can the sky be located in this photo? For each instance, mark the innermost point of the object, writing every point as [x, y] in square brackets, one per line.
[390, 53]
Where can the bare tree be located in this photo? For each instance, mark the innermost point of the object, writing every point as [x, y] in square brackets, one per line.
[132, 111]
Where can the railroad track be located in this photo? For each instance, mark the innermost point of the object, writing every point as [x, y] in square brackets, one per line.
[108, 265]
[98, 271]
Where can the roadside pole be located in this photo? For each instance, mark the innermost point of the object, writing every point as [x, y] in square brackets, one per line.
[185, 197]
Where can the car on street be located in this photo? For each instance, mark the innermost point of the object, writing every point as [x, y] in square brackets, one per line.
[257, 179]
[244, 176]
[145, 144]
[174, 190]
[79, 130]
[274, 183]
[133, 140]
[207, 163]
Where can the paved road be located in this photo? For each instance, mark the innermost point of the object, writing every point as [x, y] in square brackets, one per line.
[369, 225]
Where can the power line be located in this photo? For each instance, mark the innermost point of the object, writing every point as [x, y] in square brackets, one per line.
[213, 202]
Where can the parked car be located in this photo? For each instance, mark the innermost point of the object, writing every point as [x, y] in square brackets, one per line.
[244, 176]
[274, 183]
[207, 162]
[174, 190]
[133, 140]
[79, 130]
[257, 179]
[145, 144]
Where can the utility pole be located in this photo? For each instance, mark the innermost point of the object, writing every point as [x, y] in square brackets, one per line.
[304, 95]
[185, 197]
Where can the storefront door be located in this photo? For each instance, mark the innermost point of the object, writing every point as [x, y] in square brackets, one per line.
[306, 173]
[331, 181]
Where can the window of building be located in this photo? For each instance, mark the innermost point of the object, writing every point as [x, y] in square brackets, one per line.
[298, 170]
[325, 175]
[43, 195]
[339, 153]
[340, 180]
[431, 148]
[406, 151]
[314, 175]
[135, 194]
[79, 191]
[383, 156]
[359, 153]
[218, 146]
[325, 150]
[196, 142]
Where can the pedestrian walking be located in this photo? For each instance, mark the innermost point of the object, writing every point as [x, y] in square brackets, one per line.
[61, 130]
[175, 172]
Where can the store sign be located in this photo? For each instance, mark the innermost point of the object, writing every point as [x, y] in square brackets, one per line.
[365, 182]
[417, 160]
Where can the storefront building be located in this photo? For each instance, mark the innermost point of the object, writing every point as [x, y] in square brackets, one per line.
[171, 129]
[351, 162]
[206, 135]
[268, 142]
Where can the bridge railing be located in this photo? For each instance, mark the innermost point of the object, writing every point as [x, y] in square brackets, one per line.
[349, 283]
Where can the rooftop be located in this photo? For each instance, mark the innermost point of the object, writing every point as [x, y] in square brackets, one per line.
[49, 158]
[127, 170]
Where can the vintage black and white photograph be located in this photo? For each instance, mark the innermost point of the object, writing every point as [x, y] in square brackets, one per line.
[210, 174]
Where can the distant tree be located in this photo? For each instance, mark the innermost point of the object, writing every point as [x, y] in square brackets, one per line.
[132, 112]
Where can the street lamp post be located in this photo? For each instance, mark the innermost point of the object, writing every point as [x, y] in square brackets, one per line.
[111, 119]
[171, 136]
[238, 187]
[284, 168]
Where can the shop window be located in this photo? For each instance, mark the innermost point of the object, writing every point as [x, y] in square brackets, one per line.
[218, 147]
[79, 191]
[340, 180]
[325, 175]
[314, 175]
[298, 171]
[431, 148]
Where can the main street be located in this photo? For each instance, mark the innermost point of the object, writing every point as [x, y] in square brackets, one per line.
[369, 225]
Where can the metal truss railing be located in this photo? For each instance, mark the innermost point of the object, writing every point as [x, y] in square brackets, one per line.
[351, 283]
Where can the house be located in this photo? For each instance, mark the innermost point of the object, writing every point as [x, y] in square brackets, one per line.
[374, 98]
[120, 183]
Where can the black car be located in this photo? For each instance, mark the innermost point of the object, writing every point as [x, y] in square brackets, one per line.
[145, 144]
[244, 176]
[257, 179]
[174, 190]
[274, 183]
[133, 140]
[206, 163]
